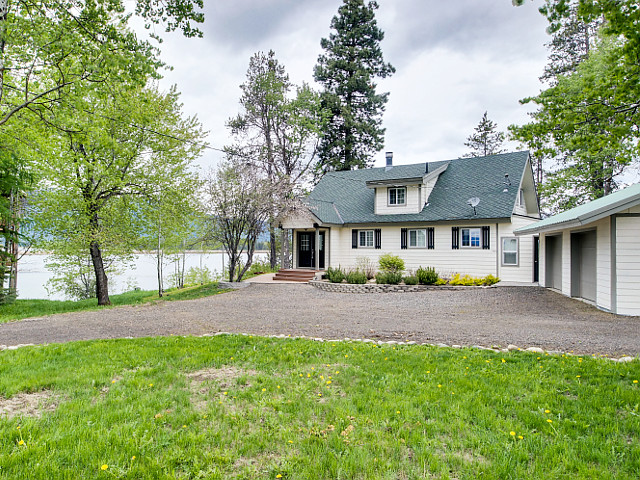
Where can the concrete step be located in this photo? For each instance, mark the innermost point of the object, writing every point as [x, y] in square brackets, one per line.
[292, 275]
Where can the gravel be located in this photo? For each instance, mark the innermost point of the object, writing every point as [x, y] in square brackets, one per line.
[522, 316]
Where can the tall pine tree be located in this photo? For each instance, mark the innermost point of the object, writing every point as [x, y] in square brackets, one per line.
[485, 141]
[347, 69]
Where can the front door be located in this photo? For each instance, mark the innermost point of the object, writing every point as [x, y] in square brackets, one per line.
[306, 249]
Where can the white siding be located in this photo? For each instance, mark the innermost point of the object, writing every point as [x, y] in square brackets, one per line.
[472, 261]
[299, 219]
[524, 271]
[566, 264]
[413, 202]
[603, 264]
[628, 265]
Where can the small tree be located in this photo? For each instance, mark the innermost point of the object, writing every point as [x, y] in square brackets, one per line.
[486, 140]
[240, 203]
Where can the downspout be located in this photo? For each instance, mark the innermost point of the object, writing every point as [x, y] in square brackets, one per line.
[497, 251]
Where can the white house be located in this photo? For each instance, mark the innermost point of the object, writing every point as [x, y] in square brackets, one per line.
[458, 216]
[592, 251]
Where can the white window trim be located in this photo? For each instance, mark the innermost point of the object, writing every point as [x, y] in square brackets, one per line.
[389, 204]
[409, 238]
[373, 239]
[462, 245]
[517, 252]
[521, 202]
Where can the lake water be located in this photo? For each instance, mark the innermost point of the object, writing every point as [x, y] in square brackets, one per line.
[33, 273]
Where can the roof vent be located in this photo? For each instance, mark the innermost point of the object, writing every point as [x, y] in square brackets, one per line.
[389, 157]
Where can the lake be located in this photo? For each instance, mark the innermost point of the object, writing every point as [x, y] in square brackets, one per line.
[33, 274]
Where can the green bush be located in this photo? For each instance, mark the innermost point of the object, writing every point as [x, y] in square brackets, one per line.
[389, 278]
[441, 281]
[356, 276]
[391, 263]
[491, 279]
[410, 280]
[427, 276]
[334, 275]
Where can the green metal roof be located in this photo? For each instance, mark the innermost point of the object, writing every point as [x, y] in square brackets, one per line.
[587, 213]
[344, 198]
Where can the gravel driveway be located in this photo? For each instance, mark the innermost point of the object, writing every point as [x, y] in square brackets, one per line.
[524, 316]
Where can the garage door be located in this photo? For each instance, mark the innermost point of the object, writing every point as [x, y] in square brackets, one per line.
[553, 261]
[583, 265]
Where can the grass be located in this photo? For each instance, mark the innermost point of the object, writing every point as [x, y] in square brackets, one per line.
[37, 308]
[247, 408]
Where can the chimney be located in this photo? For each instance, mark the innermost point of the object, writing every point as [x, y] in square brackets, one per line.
[389, 157]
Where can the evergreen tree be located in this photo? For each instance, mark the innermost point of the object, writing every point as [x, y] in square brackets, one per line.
[485, 141]
[352, 59]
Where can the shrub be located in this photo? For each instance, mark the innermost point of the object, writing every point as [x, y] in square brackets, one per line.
[366, 265]
[411, 280]
[356, 276]
[389, 278]
[334, 275]
[427, 276]
[441, 281]
[468, 280]
[260, 266]
[199, 276]
[391, 263]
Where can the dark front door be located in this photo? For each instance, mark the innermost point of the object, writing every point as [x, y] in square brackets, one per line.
[306, 249]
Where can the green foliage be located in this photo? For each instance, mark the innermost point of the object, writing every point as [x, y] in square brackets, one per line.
[469, 281]
[389, 278]
[347, 70]
[199, 276]
[390, 263]
[335, 275]
[427, 276]
[259, 267]
[441, 281]
[410, 280]
[356, 276]
[73, 276]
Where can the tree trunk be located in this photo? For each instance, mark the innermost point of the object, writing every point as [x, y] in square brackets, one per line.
[159, 265]
[273, 253]
[102, 288]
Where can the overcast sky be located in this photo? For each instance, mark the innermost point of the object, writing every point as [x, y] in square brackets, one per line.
[453, 59]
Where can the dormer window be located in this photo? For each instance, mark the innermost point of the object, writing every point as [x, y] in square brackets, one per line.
[397, 195]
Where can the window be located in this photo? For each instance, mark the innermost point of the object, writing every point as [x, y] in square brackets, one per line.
[365, 238]
[417, 238]
[397, 195]
[470, 237]
[305, 243]
[521, 198]
[510, 251]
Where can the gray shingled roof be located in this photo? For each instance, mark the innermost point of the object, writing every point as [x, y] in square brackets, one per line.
[344, 198]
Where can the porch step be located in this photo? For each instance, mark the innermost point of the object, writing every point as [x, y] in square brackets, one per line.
[292, 275]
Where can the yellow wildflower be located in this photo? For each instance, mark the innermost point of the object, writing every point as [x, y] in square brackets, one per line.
[104, 467]
[512, 433]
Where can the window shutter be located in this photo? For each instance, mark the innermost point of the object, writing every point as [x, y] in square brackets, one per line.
[403, 238]
[486, 238]
[378, 238]
[354, 238]
[430, 238]
[455, 238]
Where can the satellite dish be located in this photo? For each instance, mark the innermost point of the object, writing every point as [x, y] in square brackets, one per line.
[473, 203]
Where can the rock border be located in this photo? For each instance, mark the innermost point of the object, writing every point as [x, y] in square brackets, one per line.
[494, 349]
[383, 288]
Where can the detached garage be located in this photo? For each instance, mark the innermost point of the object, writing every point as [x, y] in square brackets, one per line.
[592, 252]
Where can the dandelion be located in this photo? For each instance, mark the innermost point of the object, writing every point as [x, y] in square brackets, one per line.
[439, 386]
[577, 376]
[520, 437]
[397, 411]
[184, 426]
[264, 389]
[328, 382]
[337, 372]
[290, 441]
[278, 387]
[18, 427]
[512, 433]
[21, 442]
[300, 374]
[346, 356]
[225, 393]
[151, 384]
[308, 375]
[549, 420]
[133, 458]
[104, 467]
[278, 476]
[635, 381]
[113, 381]
[428, 371]
[319, 394]
[547, 411]
[504, 361]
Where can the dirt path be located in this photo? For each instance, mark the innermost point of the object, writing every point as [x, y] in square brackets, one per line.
[524, 316]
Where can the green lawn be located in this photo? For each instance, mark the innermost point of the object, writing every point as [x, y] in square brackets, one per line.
[242, 407]
[37, 308]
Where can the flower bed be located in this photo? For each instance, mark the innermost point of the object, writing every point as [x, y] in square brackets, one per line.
[376, 287]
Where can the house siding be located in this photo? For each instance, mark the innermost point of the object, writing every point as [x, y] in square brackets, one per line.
[628, 263]
[446, 261]
[413, 202]
[603, 263]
